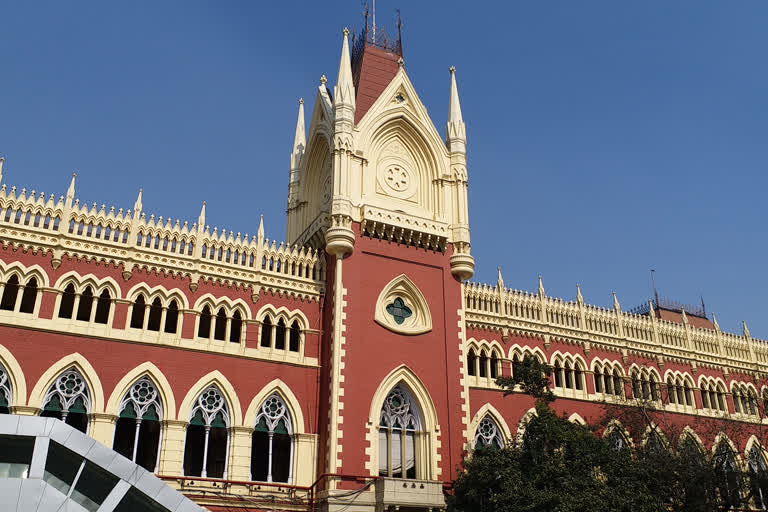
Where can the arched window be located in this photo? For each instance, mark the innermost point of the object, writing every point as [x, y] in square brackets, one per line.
[494, 365]
[207, 443]
[488, 434]
[236, 328]
[103, 305]
[68, 399]
[295, 337]
[483, 364]
[516, 362]
[6, 397]
[11, 291]
[220, 331]
[272, 447]
[172, 318]
[266, 332]
[204, 328]
[559, 376]
[67, 304]
[137, 431]
[280, 335]
[758, 477]
[155, 315]
[671, 393]
[400, 434]
[471, 357]
[86, 305]
[637, 389]
[598, 376]
[578, 376]
[29, 297]
[618, 384]
[616, 439]
[137, 315]
[728, 473]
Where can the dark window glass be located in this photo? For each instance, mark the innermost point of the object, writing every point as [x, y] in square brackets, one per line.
[217, 452]
[102, 308]
[266, 333]
[220, 332]
[295, 339]
[136, 501]
[235, 330]
[172, 318]
[204, 329]
[149, 442]
[280, 335]
[16, 455]
[61, 467]
[281, 457]
[155, 315]
[193, 450]
[137, 315]
[93, 485]
[8, 302]
[29, 297]
[260, 455]
[85, 306]
[471, 362]
[67, 302]
[125, 432]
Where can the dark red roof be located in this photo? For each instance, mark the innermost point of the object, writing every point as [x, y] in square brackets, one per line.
[372, 71]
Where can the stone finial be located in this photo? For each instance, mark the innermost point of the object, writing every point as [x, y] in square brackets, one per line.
[260, 232]
[579, 297]
[137, 205]
[323, 80]
[400, 62]
[616, 304]
[71, 189]
[454, 106]
[299, 138]
[1, 168]
[499, 279]
[541, 287]
[651, 312]
[201, 218]
[745, 329]
[344, 93]
[685, 317]
[714, 322]
[455, 130]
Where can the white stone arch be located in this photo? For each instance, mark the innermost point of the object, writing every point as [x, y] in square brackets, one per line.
[577, 419]
[653, 429]
[24, 273]
[18, 383]
[283, 312]
[404, 289]
[227, 390]
[523, 424]
[216, 302]
[80, 281]
[316, 170]
[293, 405]
[402, 375]
[490, 411]
[616, 426]
[754, 442]
[145, 369]
[525, 350]
[564, 357]
[166, 295]
[722, 437]
[81, 364]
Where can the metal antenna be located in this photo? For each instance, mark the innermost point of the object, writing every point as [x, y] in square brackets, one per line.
[655, 293]
[374, 21]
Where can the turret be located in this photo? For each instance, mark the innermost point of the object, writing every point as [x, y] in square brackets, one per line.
[294, 174]
[344, 91]
[455, 131]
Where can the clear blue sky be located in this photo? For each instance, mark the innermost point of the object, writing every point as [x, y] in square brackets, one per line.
[605, 138]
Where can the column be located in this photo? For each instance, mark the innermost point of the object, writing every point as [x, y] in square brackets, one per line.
[102, 427]
[172, 449]
[240, 439]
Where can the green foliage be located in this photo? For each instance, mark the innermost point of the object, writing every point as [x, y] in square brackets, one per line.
[561, 466]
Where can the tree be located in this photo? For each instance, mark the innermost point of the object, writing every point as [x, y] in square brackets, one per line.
[561, 466]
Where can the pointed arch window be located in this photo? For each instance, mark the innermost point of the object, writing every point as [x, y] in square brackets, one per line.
[137, 431]
[155, 315]
[483, 364]
[272, 446]
[6, 397]
[266, 332]
[728, 473]
[29, 297]
[471, 362]
[295, 337]
[86, 305]
[488, 435]
[172, 318]
[204, 328]
[220, 331]
[401, 436]
[68, 399]
[494, 365]
[236, 328]
[67, 304]
[280, 335]
[103, 305]
[10, 293]
[758, 477]
[206, 449]
[137, 315]
[616, 439]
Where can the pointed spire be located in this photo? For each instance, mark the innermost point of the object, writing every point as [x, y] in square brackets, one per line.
[344, 92]
[745, 329]
[455, 131]
[684, 316]
[499, 279]
[651, 312]
[137, 206]
[71, 190]
[714, 322]
[201, 218]
[260, 232]
[579, 298]
[1, 168]
[616, 305]
[541, 287]
[299, 139]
